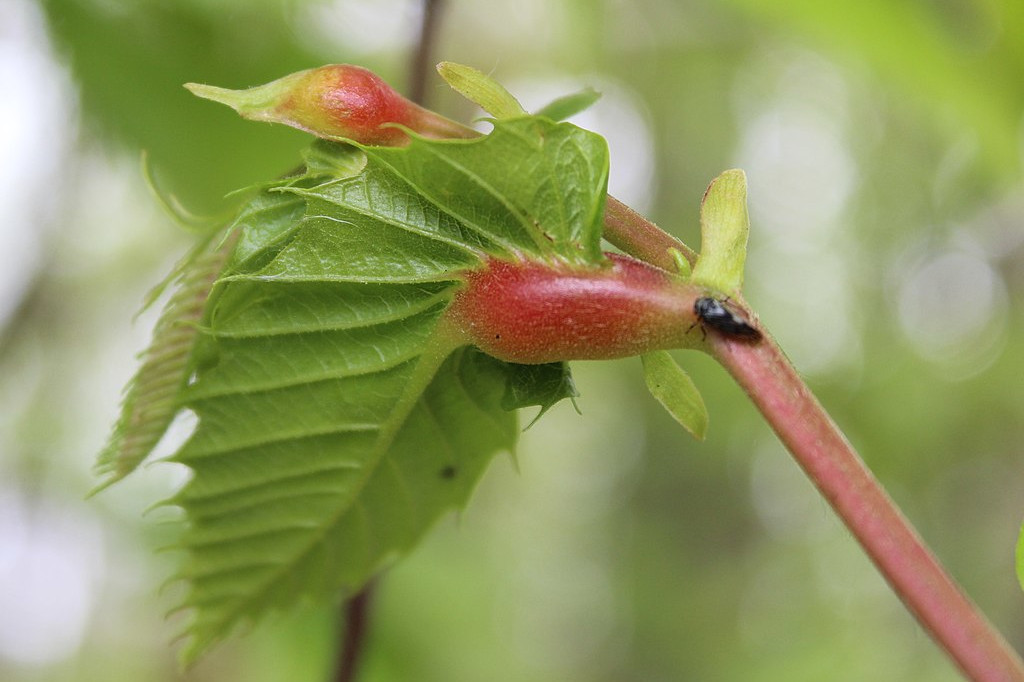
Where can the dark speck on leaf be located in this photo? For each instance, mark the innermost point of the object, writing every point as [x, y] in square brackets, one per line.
[448, 472]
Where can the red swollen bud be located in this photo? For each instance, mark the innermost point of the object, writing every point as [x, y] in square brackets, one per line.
[337, 102]
[531, 313]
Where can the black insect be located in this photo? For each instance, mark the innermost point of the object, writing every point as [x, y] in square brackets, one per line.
[724, 317]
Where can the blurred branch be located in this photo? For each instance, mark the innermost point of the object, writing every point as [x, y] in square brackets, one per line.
[23, 312]
[356, 610]
[356, 622]
[421, 65]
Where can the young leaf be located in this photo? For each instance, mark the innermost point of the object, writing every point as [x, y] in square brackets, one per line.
[151, 397]
[542, 385]
[305, 489]
[674, 389]
[325, 157]
[481, 89]
[683, 267]
[545, 197]
[570, 105]
[337, 419]
[724, 226]
[1020, 558]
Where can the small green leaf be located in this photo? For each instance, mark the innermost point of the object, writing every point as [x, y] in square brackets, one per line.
[724, 226]
[481, 89]
[542, 385]
[570, 105]
[263, 226]
[1020, 558]
[683, 267]
[674, 389]
[326, 157]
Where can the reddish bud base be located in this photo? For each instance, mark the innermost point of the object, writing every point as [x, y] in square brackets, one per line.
[350, 101]
[531, 313]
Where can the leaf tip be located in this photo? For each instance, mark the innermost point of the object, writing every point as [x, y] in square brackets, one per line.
[214, 94]
[481, 89]
[674, 389]
[570, 105]
[725, 226]
[103, 485]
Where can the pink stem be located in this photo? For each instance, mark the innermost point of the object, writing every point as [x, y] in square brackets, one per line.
[838, 472]
[637, 236]
[859, 500]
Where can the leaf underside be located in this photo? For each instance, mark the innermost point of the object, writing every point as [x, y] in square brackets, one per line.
[336, 422]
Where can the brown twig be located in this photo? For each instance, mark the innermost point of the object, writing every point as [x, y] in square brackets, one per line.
[356, 616]
[356, 611]
[422, 63]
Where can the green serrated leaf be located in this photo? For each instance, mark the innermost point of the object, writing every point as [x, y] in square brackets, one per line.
[337, 419]
[570, 105]
[331, 482]
[481, 89]
[545, 198]
[263, 227]
[543, 385]
[151, 399]
[724, 226]
[673, 388]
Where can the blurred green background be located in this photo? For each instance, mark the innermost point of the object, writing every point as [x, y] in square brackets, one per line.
[882, 141]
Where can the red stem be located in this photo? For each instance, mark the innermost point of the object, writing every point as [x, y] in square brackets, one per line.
[835, 468]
